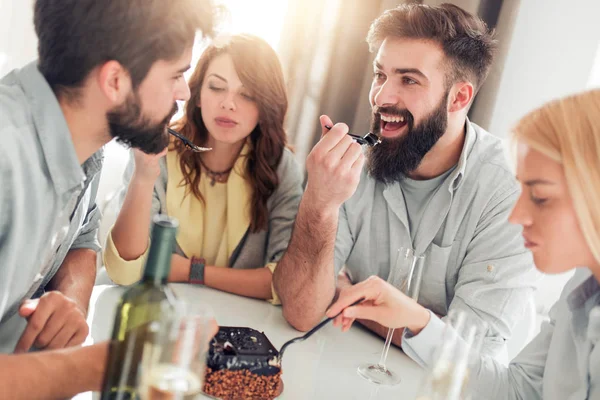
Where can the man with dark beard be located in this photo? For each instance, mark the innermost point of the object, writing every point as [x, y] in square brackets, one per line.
[437, 184]
[106, 69]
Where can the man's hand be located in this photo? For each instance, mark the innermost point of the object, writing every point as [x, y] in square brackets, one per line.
[334, 166]
[147, 167]
[383, 303]
[54, 321]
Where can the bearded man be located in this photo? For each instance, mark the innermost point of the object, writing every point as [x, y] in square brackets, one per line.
[105, 69]
[437, 184]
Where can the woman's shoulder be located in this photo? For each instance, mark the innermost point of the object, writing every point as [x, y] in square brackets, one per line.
[164, 168]
[288, 165]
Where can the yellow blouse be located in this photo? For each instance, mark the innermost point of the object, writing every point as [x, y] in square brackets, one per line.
[211, 230]
[214, 229]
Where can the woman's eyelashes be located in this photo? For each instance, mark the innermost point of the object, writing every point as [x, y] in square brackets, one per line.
[243, 94]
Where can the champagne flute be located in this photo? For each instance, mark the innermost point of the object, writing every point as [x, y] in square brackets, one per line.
[406, 276]
[449, 376]
[174, 361]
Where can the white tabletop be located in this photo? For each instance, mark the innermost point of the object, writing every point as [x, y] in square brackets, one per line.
[322, 367]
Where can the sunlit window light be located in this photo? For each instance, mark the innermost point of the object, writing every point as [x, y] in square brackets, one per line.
[263, 18]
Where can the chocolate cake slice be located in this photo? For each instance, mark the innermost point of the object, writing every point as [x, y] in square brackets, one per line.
[238, 348]
[242, 363]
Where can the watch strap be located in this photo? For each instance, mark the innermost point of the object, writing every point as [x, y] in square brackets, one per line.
[197, 271]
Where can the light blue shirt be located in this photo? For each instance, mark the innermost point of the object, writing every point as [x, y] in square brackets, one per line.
[47, 199]
[475, 260]
[560, 363]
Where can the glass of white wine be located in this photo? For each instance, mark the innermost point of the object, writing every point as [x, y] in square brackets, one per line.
[406, 275]
[174, 360]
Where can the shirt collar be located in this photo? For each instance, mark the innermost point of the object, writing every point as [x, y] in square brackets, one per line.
[52, 131]
[582, 293]
[461, 167]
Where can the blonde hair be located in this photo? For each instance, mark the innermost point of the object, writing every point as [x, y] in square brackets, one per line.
[568, 131]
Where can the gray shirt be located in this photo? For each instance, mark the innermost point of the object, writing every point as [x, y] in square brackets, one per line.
[560, 363]
[47, 201]
[475, 259]
[417, 195]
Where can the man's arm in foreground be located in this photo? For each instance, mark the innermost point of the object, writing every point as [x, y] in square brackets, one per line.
[305, 277]
[75, 277]
[53, 374]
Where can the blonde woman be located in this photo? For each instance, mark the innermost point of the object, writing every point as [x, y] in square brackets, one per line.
[558, 166]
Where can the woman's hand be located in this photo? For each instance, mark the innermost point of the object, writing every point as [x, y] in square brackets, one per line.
[383, 303]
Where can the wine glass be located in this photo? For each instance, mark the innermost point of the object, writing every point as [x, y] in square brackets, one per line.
[406, 275]
[448, 376]
[174, 359]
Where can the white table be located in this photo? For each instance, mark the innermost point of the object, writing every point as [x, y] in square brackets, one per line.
[322, 367]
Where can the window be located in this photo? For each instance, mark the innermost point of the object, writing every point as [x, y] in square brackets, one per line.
[594, 81]
[263, 18]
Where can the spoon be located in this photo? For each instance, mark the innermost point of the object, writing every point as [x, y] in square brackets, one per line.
[311, 332]
[187, 143]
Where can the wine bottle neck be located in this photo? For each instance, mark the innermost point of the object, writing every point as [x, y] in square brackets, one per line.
[158, 264]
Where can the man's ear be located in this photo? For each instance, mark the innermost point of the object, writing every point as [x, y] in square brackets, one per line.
[114, 82]
[461, 95]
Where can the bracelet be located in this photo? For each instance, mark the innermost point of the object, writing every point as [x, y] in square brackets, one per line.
[197, 271]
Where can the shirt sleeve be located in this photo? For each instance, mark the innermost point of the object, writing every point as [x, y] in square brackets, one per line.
[88, 236]
[13, 206]
[120, 271]
[8, 247]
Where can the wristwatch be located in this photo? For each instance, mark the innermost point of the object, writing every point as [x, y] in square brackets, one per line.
[197, 271]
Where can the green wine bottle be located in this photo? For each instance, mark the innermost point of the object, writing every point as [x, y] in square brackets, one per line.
[140, 306]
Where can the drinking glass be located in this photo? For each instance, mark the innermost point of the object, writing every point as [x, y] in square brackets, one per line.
[174, 359]
[448, 377]
[406, 275]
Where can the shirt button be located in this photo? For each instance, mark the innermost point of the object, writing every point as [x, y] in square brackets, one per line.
[490, 268]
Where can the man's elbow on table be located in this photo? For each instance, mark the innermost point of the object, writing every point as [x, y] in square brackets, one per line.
[304, 313]
[301, 321]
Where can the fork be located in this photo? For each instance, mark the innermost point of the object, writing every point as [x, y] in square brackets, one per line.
[187, 143]
[312, 331]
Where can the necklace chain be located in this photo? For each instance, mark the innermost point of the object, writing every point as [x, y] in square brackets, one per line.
[216, 176]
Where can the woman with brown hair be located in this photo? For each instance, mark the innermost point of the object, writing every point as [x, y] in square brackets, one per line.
[237, 203]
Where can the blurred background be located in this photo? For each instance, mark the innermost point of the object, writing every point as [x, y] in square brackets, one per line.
[547, 49]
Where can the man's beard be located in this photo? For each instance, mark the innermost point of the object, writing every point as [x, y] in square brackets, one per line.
[130, 127]
[393, 159]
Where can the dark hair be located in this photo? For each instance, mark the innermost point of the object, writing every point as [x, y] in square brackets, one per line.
[260, 71]
[465, 39]
[76, 36]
